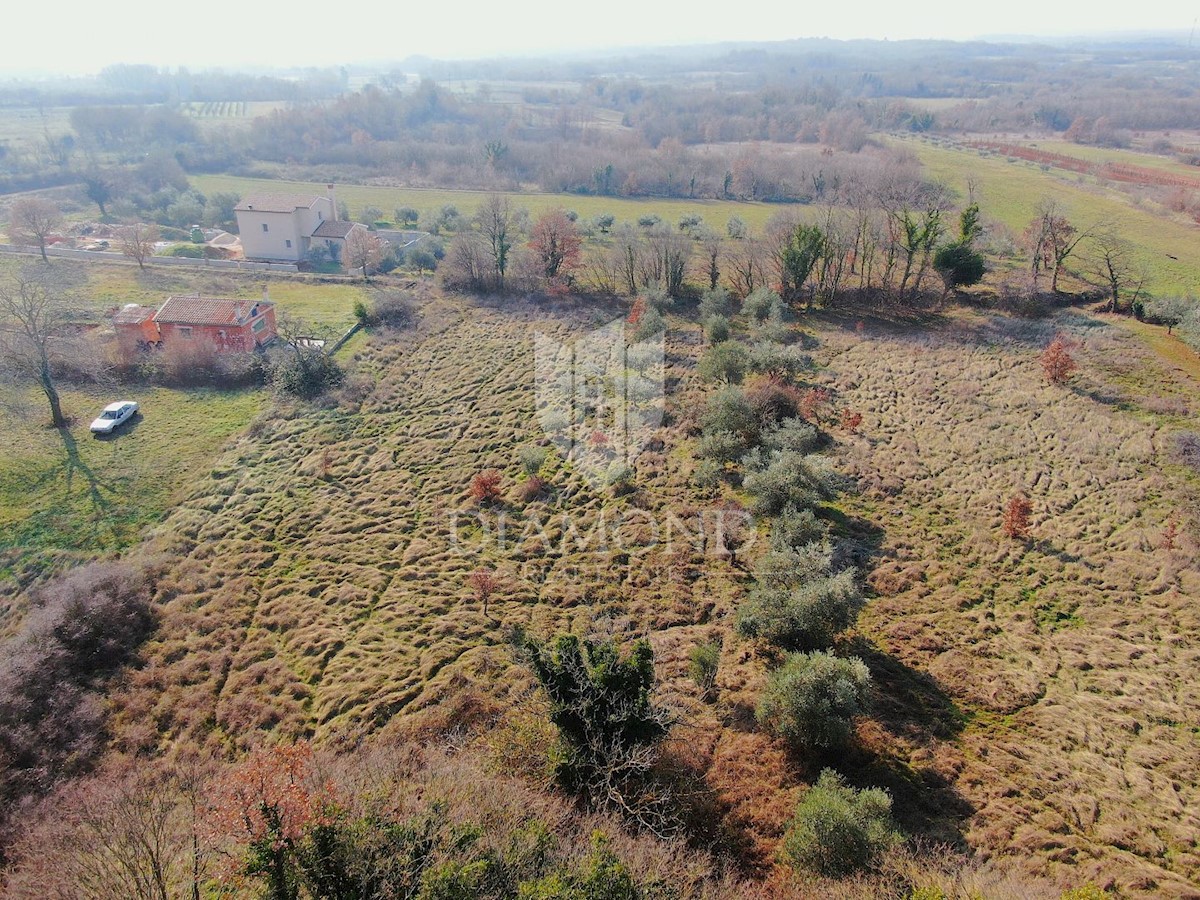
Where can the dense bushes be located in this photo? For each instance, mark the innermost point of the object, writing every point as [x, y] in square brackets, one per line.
[82, 628]
[305, 372]
[811, 699]
[799, 603]
[391, 309]
[838, 830]
[786, 478]
[600, 703]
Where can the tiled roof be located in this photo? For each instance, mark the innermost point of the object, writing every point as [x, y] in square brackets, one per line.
[133, 315]
[196, 310]
[283, 203]
[331, 229]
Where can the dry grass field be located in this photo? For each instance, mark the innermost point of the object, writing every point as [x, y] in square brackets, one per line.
[1033, 699]
[1070, 657]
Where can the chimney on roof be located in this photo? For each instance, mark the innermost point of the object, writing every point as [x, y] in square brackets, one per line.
[332, 201]
[266, 294]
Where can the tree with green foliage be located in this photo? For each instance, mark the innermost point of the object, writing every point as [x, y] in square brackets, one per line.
[838, 830]
[725, 362]
[799, 603]
[812, 699]
[600, 703]
[788, 478]
[958, 265]
[805, 244]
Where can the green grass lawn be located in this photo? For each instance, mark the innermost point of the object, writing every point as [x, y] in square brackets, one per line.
[104, 286]
[1009, 191]
[71, 491]
[715, 212]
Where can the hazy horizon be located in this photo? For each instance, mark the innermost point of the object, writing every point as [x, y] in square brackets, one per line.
[264, 37]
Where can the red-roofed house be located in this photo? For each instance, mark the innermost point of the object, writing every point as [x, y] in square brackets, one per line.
[224, 324]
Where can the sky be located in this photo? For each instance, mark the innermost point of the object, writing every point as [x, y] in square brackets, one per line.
[81, 36]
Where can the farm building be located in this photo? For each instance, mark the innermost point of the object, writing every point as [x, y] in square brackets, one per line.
[288, 226]
[223, 324]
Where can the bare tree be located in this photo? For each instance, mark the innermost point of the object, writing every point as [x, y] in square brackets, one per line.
[1051, 239]
[495, 218]
[1112, 259]
[364, 250]
[137, 242]
[32, 220]
[35, 327]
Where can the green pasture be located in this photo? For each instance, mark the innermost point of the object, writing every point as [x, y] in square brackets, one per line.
[1009, 192]
[714, 212]
[67, 490]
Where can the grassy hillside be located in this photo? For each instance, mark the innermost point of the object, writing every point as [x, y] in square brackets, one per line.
[1069, 655]
[1027, 693]
[1009, 192]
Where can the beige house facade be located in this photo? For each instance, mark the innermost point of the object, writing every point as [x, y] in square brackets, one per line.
[282, 226]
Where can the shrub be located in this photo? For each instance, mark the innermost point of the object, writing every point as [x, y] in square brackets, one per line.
[531, 459]
[725, 362]
[1057, 363]
[812, 699]
[485, 486]
[792, 434]
[82, 628]
[600, 704]
[305, 372]
[708, 474]
[650, 323]
[793, 528]
[391, 309]
[1016, 517]
[703, 660]
[716, 329]
[728, 410]
[530, 489]
[774, 359]
[716, 304]
[788, 479]
[772, 400]
[838, 830]
[760, 303]
[1187, 450]
[722, 446]
[800, 609]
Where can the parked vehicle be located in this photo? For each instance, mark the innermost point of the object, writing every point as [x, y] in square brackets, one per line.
[114, 415]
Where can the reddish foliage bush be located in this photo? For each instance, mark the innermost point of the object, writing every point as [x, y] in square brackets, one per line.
[1057, 362]
[485, 486]
[530, 488]
[850, 421]
[812, 404]
[1016, 517]
[639, 310]
[483, 583]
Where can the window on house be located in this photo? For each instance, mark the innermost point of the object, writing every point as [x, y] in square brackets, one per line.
[264, 226]
[320, 216]
[289, 243]
[259, 324]
[185, 331]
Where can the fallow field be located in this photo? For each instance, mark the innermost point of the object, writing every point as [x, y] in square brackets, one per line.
[1032, 698]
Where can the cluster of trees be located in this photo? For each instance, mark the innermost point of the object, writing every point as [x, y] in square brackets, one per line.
[884, 237]
[761, 429]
